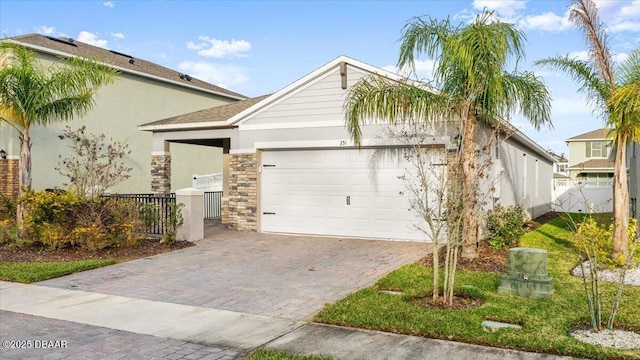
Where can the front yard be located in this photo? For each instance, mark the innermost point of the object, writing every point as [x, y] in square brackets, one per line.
[545, 322]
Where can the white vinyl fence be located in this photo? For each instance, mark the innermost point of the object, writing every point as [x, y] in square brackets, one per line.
[582, 196]
[207, 182]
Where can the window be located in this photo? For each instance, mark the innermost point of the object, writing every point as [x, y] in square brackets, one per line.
[597, 149]
[562, 168]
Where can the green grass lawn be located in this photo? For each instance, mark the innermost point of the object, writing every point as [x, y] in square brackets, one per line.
[266, 354]
[28, 272]
[545, 322]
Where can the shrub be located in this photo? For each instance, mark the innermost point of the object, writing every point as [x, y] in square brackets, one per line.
[8, 232]
[54, 236]
[7, 207]
[45, 207]
[174, 222]
[56, 220]
[593, 239]
[505, 225]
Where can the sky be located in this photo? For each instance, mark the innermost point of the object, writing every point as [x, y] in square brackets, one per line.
[259, 47]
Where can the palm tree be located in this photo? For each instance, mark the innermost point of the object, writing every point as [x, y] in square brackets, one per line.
[473, 87]
[598, 80]
[31, 95]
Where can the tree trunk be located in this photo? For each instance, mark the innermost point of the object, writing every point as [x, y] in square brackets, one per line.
[620, 202]
[24, 174]
[469, 160]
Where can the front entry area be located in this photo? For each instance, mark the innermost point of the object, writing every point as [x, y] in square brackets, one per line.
[352, 193]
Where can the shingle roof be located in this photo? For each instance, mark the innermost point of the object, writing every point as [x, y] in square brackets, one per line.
[218, 113]
[594, 164]
[599, 134]
[123, 61]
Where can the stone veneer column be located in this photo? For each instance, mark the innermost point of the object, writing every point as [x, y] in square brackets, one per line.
[243, 192]
[161, 174]
[9, 179]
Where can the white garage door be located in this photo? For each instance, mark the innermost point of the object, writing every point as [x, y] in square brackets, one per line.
[337, 192]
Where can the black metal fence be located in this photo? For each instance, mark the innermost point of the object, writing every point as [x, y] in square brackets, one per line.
[156, 209]
[213, 204]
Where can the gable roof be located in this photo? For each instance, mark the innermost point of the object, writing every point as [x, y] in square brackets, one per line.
[240, 112]
[67, 47]
[239, 117]
[599, 134]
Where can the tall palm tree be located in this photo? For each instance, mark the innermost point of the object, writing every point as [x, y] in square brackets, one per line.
[31, 95]
[472, 84]
[599, 81]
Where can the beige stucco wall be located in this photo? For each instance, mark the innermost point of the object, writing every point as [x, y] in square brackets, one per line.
[578, 152]
[119, 109]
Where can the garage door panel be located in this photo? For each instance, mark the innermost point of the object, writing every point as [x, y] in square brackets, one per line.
[335, 192]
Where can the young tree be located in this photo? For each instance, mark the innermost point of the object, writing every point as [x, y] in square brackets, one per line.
[472, 86]
[31, 95]
[96, 164]
[610, 92]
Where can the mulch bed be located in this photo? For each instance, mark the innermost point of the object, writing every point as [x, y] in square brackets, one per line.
[144, 249]
[489, 259]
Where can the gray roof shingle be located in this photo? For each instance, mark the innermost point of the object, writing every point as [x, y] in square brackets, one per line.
[214, 114]
[120, 60]
[598, 134]
[594, 164]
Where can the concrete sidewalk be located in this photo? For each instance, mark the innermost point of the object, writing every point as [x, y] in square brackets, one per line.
[232, 330]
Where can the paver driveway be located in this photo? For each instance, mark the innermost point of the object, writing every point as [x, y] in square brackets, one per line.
[264, 274]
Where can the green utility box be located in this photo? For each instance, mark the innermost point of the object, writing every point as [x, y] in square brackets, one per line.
[527, 274]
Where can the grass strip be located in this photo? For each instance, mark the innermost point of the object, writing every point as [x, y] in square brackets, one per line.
[267, 354]
[29, 272]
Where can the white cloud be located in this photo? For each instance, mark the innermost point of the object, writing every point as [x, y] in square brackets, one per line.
[117, 35]
[620, 57]
[548, 21]
[632, 9]
[605, 4]
[505, 8]
[109, 4]
[215, 48]
[91, 39]
[582, 55]
[628, 25]
[226, 76]
[45, 30]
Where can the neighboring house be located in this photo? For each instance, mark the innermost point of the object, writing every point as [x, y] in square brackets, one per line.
[289, 165]
[560, 165]
[591, 158]
[591, 171]
[142, 92]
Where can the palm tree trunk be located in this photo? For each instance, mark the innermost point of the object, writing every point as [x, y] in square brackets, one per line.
[24, 174]
[469, 160]
[620, 201]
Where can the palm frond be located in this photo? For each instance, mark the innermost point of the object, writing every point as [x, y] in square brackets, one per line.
[376, 99]
[584, 14]
[530, 95]
[596, 89]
